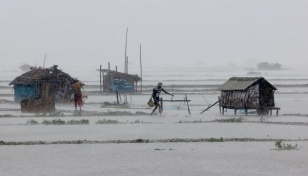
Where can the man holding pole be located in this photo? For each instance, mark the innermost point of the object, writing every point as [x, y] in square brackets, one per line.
[155, 96]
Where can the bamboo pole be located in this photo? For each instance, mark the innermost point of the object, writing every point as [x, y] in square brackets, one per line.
[100, 78]
[187, 104]
[108, 77]
[140, 71]
[125, 71]
[127, 64]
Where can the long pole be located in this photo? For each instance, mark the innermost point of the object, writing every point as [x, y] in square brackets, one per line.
[100, 78]
[140, 70]
[127, 64]
[117, 92]
[108, 77]
[125, 71]
[44, 61]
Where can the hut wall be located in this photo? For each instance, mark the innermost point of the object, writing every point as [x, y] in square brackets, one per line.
[241, 99]
[266, 95]
[37, 105]
[24, 91]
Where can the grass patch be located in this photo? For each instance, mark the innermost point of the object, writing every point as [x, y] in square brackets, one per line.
[53, 122]
[32, 122]
[6, 115]
[78, 122]
[51, 114]
[231, 120]
[221, 139]
[107, 121]
[56, 114]
[195, 121]
[77, 113]
[138, 121]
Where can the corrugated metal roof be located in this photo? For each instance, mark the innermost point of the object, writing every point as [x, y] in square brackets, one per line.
[239, 83]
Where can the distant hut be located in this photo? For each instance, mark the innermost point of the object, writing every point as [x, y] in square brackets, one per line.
[25, 67]
[39, 88]
[123, 82]
[247, 93]
[268, 66]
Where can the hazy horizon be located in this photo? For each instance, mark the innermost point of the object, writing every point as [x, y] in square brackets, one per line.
[86, 34]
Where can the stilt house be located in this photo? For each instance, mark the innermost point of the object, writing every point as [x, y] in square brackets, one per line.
[123, 82]
[39, 88]
[247, 93]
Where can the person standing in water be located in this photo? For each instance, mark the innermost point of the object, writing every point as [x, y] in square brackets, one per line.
[155, 96]
[77, 85]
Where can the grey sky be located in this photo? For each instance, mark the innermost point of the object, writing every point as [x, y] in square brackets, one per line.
[196, 33]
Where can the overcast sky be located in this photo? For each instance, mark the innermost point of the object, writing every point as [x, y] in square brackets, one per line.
[85, 34]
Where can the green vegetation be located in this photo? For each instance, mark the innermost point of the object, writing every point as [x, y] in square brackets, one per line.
[77, 113]
[137, 121]
[231, 120]
[78, 122]
[56, 114]
[221, 139]
[282, 146]
[53, 122]
[52, 114]
[104, 121]
[40, 114]
[32, 122]
[195, 121]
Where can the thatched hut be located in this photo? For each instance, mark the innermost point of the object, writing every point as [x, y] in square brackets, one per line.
[123, 82]
[39, 88]
[247, 93]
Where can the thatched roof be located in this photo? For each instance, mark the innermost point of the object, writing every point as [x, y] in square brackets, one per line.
[242, 83]
[126, 76]
[42, 74]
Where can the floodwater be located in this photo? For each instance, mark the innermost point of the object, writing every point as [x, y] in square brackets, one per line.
[176, 143]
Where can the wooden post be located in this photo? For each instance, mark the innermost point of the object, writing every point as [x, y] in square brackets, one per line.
[117, 94]
[100, 78]
[246, 111]
[187, 104]
[223, 111]
[234, 111]
[161, 104]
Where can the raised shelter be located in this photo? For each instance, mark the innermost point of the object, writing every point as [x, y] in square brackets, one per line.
[244, 93]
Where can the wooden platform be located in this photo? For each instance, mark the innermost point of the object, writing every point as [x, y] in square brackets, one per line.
[269, 112]
[274, 108]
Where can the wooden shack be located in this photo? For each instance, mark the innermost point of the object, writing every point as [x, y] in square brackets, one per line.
[123, 82]
[39, 88]
[245, 93]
